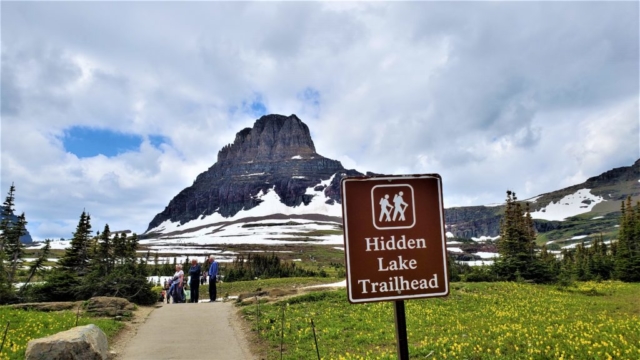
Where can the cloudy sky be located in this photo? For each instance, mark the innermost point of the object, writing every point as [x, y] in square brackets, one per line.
[115, 107]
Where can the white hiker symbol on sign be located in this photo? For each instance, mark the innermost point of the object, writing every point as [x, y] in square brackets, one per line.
[384, 208]
[399, 210]
[396, 216]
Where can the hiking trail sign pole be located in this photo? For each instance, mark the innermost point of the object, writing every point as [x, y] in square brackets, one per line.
[395, 245]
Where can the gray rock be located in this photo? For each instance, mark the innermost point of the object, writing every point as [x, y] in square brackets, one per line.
[80, 343]
[109, 306]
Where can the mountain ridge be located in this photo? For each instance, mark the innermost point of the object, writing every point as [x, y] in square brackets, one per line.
[612, 186]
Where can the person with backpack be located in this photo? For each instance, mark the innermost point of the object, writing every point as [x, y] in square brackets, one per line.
[175, 291]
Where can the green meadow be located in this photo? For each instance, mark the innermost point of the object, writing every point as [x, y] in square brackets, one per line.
[477, 321]
[26, 325]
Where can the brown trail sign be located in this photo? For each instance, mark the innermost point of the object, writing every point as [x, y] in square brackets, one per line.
[394, 238]
[394, 241]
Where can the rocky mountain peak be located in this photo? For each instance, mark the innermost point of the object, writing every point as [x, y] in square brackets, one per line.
[272, 138]
[276, 154]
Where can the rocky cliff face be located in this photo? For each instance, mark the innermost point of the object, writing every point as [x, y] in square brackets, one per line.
[276, 153]
[477, 221]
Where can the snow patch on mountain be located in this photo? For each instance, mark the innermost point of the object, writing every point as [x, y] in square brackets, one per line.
[534, 199]
[582, 201]
[264, 232]
[271, 204]
[55, 245]
[484, 238]
[493, 205]
[487, 255]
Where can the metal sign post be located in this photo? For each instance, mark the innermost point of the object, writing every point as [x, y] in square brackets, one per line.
[401, 330]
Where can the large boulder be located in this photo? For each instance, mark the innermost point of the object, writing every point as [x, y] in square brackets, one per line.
[109, 306]
[80, 343]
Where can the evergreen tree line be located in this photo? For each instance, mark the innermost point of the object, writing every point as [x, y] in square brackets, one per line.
[263, 267]
[522, 260]
[101, 265]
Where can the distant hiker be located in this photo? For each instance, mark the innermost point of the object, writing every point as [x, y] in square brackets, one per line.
[175, 291]
[203, 278]
[213, 278]
[384, 208]
[194, 280]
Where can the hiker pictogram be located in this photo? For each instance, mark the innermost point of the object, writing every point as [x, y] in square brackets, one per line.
[398, 206]
[385, 207]
[393, 206]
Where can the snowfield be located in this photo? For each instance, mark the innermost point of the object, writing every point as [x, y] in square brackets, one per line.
[582, 201]
[270, 205]
[217, 230]
[484, 238]
[487, 255]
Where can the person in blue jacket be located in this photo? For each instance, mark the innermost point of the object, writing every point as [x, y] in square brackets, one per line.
[194, 280]
[213, 278]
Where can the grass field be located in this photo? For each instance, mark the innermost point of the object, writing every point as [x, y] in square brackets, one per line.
[477, 321]
[28, 325]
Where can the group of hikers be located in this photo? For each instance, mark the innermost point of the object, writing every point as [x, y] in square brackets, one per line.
[175, 287]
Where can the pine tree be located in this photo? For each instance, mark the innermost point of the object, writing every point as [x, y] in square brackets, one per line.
[627, 254]
[77, 256]
[550, 261]
[516, 245]
[6, 288]
[156, 266]
[104, 255]
[582, 263]
[14, 249]
[11, 249]
[130, 245]
[7, 214]
[38, 264]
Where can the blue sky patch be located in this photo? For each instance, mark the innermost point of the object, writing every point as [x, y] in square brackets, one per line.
[157, 140]
[310, 96]
[256, 106]
[310, 99]
[87, 142]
